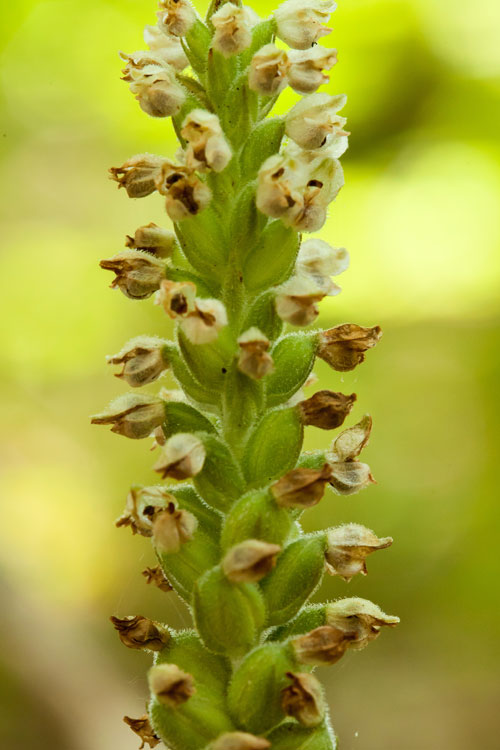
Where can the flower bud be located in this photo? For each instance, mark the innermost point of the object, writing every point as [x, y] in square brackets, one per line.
[268, 69]
[301, 488]
[305, 73]
[176, 17]
[303, 699]
[143, 729]
[182, 457]
[154, 239]
[170, 685]
[138, 175]
[240, 741]
[140, 633]
[348, 547]
[254, 359]
[350, 477]
[208, 147]
[344, 346]
[233, 29]
[250, 561]
[202, 325]
[176, 297]
[360, 619]
[349, 444]
[154, 84]
[326, 409]
[141, 507]
[167, 46]
[132, 415]
[320, 260]
[297, 300]
[313, 122]
[172, 528]
[138, 274]
[157, 577]
[142, 359]
[320, 647]
[300, 22]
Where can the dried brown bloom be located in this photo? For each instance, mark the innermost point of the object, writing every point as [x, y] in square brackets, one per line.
[170, 685]
[360, 619]
[138, 174]
[138, 274]
[326, 409]
[132, 415]
[348, 547]
[303, 699]
[142, 359]
[301, 488]
[141, 507]
[250, 561]
[322, 646]
[344, 347]
[157, 577]
[140, 633]
[172, 528]
[182, 457]
[152, 238]
[254, 359]
[142, 727]
[240, 741]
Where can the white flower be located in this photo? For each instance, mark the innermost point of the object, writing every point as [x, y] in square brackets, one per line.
[153, 83]
[186, 195]
[176, 297]
[268, 69]
[208, 147]
[278, 189]
[182, 457]
[176, 16]
[233, 29]
[297, 300]
[300, 22]
[166, 45]
[314, 123]
[202, 325]
[305, 73]
[320, 260]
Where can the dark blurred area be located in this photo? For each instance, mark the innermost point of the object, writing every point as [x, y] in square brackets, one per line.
[419, 215]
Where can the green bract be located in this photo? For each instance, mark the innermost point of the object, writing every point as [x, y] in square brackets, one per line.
[233, 274]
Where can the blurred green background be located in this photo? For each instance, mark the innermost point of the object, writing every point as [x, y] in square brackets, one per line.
[420, 217]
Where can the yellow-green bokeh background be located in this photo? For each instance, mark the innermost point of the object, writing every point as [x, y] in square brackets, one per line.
[420, 216]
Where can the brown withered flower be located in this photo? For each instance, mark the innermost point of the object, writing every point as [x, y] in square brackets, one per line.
[350, 477]
[153, 239]
[137, 274]
[143, 729]
[240, 741]
[322, 646]
[349, 546]
[141, 507]
[140, 633]
[254, 359]
[157, 577]
[132, 415]
[143, 361]
[170, 685]
[303, 699]
[344, 346]
[359, 618]
[172, 528]
[138, 175]
[250, 561]
[183, 456]
[301, 488]
[326, 409]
